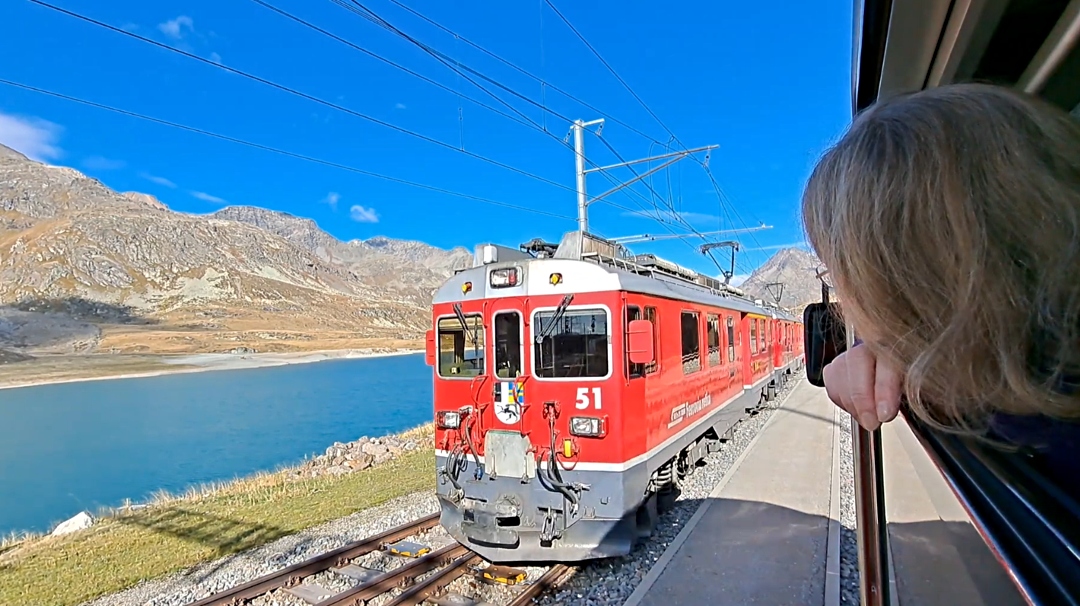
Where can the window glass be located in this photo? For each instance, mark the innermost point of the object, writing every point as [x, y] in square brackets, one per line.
[691, 343]
[574, 346]
[633, 312]
[753, 335]
[507, 344]
[731, 338]
[461, 349]
[713, 328]
[650, 315]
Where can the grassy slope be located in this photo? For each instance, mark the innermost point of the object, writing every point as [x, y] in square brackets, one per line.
[171, 535]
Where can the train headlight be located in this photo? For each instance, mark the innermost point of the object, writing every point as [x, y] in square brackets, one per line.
[501, 278]
[590, 427]
[449, 419]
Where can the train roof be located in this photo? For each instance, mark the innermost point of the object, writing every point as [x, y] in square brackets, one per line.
[644, 274]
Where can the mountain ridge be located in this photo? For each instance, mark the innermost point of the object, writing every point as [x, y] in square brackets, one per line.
[794, 268]
[67, 242]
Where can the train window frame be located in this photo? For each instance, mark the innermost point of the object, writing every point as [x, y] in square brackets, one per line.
[731, 338]
[439, 345]
[633, 371]
[753, 336]
[495, 341]
[653, 366]
[764, 335]
[534, 322]
[684, 331]
[712, 328]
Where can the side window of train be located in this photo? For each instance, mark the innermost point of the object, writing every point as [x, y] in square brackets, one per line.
[730, 339]
[461, 348]
[764, 335]
[650, 315]
[691, 343]
[507, 344]
[713, 326]
[633, 312]
[575, 346]
[753, 336]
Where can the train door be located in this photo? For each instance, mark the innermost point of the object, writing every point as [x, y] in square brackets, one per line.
[734, 352]
[457, 348]
[508, 359]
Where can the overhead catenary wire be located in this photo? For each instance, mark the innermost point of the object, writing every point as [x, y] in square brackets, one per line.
[544, 83]
[457, 67]
[283, 152]
[303, 95]
[644, 105]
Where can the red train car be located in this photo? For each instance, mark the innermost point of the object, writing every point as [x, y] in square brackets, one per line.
[575, 385]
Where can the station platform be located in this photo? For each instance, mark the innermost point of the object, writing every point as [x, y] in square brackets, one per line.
[936, 554]
[762, 536]
[769, 533]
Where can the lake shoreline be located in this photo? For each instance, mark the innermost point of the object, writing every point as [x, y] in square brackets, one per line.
[173, 364]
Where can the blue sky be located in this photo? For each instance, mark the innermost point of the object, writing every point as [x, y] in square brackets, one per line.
[768, 84]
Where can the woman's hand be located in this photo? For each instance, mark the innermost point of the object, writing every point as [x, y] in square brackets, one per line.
[868, 388]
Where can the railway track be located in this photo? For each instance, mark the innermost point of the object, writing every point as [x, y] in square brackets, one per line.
[420, 574]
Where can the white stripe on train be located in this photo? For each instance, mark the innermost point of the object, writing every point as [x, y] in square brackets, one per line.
[587, 466]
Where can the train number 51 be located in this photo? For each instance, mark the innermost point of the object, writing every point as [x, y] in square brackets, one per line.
[583, 398]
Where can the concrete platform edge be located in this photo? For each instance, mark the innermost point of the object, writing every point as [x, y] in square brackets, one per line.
[832, 562]
[673, 548]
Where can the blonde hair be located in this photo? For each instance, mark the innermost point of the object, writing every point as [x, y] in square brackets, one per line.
[950, 222]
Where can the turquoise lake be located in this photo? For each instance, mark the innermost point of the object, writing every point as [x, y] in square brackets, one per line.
[79, 446]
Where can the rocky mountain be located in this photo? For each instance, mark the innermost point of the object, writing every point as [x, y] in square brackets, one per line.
[378, 261]
[796, 270]
[72, 247]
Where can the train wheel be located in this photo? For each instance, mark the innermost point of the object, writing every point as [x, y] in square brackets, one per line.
[666, 498]
[647, 517]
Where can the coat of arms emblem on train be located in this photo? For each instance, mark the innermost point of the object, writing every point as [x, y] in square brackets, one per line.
[510, 397]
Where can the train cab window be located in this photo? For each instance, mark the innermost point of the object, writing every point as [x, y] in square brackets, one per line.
[507, 328]
[691, 343]
[461, 347]
[650, 315]
[633, 312]
[730, 339]
[574, 344]
[713, 330]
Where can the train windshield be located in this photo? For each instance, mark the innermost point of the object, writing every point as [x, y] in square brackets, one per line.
[461, 346]
[507, 344]
[573, 345]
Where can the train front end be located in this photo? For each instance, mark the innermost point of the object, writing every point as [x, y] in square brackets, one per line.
[527, 377]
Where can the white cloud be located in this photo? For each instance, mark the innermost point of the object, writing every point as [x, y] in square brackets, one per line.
[332, 199]
[738, 279]
[158, 180]
[667, 215]
[205, 197]
[102, 163]
[32, 137]
[174, 28]
[216, 58]
[363, 215]
[799, 244]
[400, 106]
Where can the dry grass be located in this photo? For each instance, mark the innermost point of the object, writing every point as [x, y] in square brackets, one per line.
[175, 532]
[171, 340]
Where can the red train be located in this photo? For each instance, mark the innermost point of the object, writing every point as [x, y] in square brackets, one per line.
[575, 385]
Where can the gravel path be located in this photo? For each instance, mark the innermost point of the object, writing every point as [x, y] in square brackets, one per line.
[603, 582]
[849, 556]
[610, 582]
